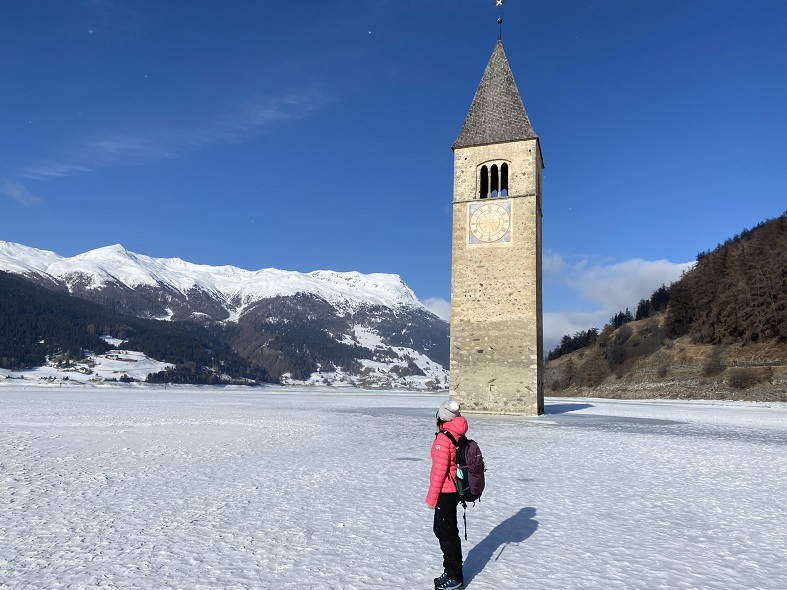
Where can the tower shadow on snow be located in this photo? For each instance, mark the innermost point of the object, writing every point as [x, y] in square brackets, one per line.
[563, 408]
[514, 529]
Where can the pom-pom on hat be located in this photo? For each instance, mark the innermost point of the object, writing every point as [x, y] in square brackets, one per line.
[448, 410]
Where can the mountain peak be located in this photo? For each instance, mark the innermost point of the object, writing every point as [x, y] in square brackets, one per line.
[235, 288]
[113, 250]
[318, 327]
[20, 259]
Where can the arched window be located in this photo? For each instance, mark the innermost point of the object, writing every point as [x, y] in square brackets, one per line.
[493, 180]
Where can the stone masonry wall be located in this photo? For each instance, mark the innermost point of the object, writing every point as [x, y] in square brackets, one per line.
[496, 329]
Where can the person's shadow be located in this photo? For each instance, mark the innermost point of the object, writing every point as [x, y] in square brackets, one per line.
[514, 529]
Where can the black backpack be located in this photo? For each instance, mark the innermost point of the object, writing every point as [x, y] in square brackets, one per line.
[469, 468]
[469, 471]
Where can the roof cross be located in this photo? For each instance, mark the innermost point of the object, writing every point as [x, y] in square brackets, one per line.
[499, 21]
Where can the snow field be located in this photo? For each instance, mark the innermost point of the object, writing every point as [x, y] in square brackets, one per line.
[278, 488]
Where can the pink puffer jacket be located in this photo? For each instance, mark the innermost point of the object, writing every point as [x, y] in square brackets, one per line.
[443, 460]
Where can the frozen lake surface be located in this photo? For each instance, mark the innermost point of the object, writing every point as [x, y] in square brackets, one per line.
[205, 488]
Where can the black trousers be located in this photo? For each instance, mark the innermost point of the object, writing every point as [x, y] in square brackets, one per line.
[447, 532]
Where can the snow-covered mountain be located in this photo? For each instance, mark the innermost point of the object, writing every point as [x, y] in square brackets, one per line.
[233, 288]
[360, 328]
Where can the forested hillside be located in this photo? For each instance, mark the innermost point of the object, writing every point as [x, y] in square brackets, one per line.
[736, 293]
[36, 323]
[721, 328]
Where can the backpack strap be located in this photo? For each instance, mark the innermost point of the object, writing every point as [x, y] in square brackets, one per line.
[462, 502]
[450, 437]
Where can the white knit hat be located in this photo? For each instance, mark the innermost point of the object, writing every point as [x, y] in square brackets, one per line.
[448, 410]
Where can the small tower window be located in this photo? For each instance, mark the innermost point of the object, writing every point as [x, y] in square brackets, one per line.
[484, 192]
[493, 180]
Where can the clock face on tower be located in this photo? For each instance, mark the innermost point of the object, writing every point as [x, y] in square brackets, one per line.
[489, 223]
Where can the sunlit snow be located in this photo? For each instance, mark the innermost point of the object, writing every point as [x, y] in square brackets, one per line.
[134, 486]
[235, 287]
[112, 366]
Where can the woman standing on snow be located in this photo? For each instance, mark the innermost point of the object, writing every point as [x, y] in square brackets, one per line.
[443, 496]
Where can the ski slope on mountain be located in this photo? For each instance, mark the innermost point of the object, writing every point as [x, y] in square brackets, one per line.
[284, 488]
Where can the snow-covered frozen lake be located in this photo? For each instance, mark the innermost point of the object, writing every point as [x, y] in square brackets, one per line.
[205, 488]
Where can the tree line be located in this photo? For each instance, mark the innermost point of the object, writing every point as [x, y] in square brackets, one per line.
[37, 324]
[735, 293]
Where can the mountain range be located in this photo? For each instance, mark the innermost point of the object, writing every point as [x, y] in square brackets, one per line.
[361, 329]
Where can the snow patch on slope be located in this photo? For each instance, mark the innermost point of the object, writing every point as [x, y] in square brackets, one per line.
[114, 365]
[386, 370]
[20, 259]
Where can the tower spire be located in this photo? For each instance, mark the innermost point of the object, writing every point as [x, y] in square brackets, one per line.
[497, 113]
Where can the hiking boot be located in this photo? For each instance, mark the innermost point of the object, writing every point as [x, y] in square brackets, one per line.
[443, 577]
[450, 584]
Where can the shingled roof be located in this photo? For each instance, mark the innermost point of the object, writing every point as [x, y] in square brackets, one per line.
[497, 113]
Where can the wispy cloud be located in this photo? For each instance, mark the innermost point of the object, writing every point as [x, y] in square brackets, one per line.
[621, 285]
[18, 192]
[111, 20]
[246, 120]
[54, 170]
[439, 307]
[559, 323]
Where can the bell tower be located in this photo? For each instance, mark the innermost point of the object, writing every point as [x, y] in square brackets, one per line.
[496, 309]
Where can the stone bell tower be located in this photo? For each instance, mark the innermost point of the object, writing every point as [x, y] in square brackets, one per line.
[496, 310]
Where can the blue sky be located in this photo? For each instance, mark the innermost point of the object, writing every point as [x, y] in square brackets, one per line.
[316, 134]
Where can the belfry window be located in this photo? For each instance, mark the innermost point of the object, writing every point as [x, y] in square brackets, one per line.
[484, 192]
[493, 181]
